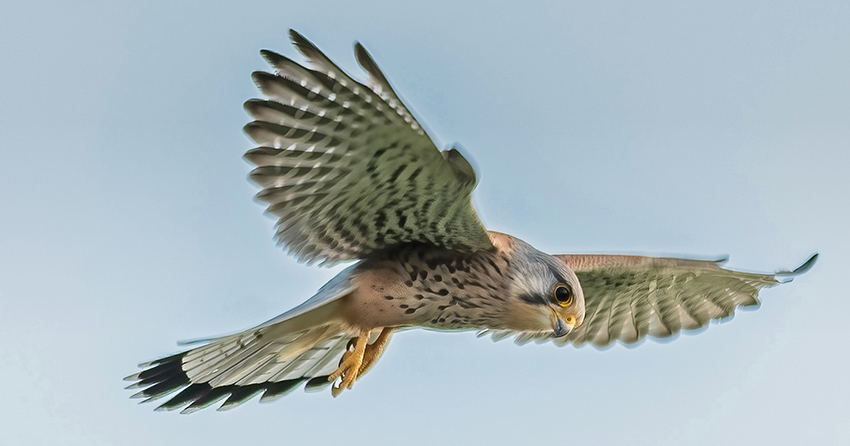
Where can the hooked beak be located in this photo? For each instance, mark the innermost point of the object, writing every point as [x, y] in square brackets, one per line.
[563, 327]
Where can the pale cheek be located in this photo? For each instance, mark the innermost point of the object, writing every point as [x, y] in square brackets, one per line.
[529, 318]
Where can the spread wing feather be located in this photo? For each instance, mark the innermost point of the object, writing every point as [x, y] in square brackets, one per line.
[628, 298]
[346, 167]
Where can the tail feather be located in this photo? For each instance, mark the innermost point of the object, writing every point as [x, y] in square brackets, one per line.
[301, 346]
[241, 366]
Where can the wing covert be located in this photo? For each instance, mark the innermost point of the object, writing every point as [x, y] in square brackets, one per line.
[347, 169]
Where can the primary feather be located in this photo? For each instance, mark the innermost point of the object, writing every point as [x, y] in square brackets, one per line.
[347, 169]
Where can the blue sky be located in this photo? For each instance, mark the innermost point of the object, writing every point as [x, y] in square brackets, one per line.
[672, 129]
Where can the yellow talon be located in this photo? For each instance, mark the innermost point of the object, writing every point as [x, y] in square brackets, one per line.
[349, 364]
[357, 361]
[374, 351]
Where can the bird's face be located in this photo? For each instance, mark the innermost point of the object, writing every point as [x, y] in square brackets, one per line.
[549, 296]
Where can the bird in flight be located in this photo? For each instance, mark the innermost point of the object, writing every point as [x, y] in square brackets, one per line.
[352, 176]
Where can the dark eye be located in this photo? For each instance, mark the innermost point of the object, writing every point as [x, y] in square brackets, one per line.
[564, 295]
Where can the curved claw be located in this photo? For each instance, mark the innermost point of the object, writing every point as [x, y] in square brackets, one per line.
[358, 358]
[349, 364]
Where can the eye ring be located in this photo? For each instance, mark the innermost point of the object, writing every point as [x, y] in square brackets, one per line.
[564, 295]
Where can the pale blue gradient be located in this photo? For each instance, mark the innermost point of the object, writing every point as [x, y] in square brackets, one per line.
[672, 128]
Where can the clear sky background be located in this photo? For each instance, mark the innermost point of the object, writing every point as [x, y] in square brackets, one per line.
[710, 129]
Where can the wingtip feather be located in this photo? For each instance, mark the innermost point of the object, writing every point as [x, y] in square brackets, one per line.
[368, 63]
[296, 37]
[804, 268]
[807, 265]
[304, 46]
[272, 57]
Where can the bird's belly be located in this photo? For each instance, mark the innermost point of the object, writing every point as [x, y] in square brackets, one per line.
[454, 294]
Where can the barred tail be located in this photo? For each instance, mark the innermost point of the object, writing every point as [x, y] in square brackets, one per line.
[241, 366]
[303, 345]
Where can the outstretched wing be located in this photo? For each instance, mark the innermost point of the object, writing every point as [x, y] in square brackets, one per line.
[630, 297]
[346, 167]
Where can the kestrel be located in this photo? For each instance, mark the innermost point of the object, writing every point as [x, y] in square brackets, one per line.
[352, 176]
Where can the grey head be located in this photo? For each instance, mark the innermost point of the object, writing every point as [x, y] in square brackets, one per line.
[545, 292]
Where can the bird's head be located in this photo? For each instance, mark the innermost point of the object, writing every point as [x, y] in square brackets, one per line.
[547, 294]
